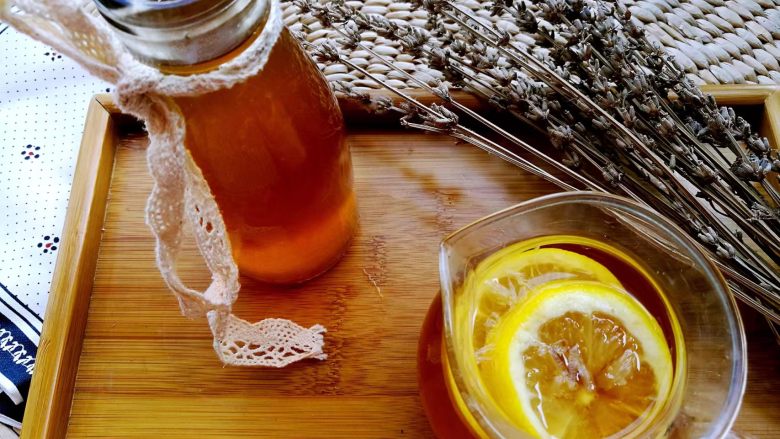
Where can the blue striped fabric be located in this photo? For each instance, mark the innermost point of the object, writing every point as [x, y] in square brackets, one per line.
[20, 332]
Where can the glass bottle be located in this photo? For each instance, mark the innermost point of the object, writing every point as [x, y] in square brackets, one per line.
[272, 148]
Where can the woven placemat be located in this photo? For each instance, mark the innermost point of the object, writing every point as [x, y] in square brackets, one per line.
[714, 41]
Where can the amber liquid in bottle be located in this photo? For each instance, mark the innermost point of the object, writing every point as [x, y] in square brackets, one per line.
[274, 154]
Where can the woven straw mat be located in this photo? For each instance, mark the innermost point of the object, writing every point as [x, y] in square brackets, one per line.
[714, 41]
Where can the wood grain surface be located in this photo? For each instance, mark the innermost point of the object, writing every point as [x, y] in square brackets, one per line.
[146, 371]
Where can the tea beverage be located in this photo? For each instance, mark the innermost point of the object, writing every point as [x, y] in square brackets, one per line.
[272, 148]
[274, 154]
[570, 337]
[580, 315]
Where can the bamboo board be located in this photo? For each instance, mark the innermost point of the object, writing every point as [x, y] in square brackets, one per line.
[117, 359]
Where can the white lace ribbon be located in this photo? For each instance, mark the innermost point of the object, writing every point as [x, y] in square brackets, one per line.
[180, 191]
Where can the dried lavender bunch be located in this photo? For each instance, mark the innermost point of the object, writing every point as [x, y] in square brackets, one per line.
[600, 90]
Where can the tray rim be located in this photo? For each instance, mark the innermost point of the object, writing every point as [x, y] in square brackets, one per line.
[51, 391]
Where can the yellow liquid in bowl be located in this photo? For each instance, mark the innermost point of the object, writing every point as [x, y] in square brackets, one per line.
[569, 338]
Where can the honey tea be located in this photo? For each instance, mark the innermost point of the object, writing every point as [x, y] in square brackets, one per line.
[570, 338]
[271, 144]
[274, 154]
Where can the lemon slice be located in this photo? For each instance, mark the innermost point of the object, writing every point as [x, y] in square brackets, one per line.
[579, 359]
[506, 278]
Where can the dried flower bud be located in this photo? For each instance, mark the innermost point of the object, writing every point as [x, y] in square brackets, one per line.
[609, 101]
[571, 159]
[326, 52]
[381, 104]
[382, 26]
[438, 58]
[741, 129]
[496, 8]
[587, 111]
[555, 106]
[411, 114]
[601, 123]
[759, 145]
[728, 115]
[647, 141]
[694, 125]
[458, 46]
[526, 20]
[611, 174]
[303, 5]
[362, 21]
[754, 169]
[453, 75]
[717, 124]
[440, 118]
[486, 60]
[678, 149]
[655, 181]
[503, 37]
[566, 115]
[725, 250]
[498, 102]
[636, 32]
[628, 115]
[553, 11]
[503, 76]
[638, 85]
[708, 236]
[443, 92]
[560, 136]
[414, 40]
[352, 37]
[538, 113]
[650, 106]
[580, 52]
[703, 173]
[433, 6]
[666, 127]
[760, 213]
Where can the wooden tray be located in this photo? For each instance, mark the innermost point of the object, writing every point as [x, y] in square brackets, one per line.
[117, 359]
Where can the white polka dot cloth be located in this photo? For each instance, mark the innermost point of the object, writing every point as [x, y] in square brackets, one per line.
[43, 103]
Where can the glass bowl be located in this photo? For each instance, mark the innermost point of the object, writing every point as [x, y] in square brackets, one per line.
[707, 338]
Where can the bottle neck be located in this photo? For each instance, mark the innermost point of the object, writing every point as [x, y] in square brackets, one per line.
[182, 32]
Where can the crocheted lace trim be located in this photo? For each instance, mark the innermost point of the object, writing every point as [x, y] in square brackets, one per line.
[180, 193]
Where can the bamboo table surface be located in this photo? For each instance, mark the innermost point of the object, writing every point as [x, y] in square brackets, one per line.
[146, 371]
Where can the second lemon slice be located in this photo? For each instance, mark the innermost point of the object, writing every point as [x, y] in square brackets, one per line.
[508, 276]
